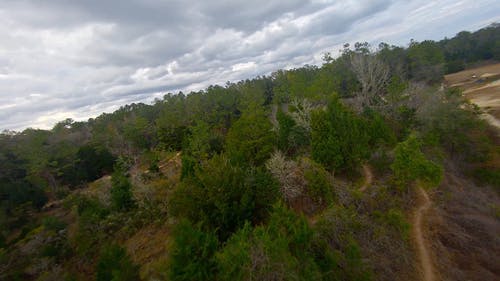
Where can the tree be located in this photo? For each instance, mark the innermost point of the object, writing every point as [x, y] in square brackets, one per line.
[222, 195]
[138, 131]
[410, 165]
[93, 162]
[202, 142]
[426, 61]
[373, 74]
[172, 121]
[115, 265]
[281, 250]
[121, 194]
[250, 138]
[287, 173]
[192, 253]
[339, 140]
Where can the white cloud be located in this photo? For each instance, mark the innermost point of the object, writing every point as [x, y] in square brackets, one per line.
[77, 59]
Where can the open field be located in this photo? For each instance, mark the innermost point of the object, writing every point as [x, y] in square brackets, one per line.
[482, 86]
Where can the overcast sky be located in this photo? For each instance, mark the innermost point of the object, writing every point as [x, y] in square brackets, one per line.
[78, 58]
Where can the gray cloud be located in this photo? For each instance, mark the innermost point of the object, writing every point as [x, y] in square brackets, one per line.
[77, 59]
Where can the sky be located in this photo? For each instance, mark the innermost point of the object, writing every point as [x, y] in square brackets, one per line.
[79, 58]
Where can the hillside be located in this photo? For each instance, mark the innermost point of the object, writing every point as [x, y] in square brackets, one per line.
[376, 165]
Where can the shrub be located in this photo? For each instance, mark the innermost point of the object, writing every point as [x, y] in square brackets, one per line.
[318, 182]
[53, 223]
[192, 253]
[410, 164]
[223, 195]
[250, 139]
[279, 251]
[287, 173]
[339, 138]
[114, 264]
[121, 194]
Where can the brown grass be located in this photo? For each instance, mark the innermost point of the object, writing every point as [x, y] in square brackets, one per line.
[463, 230]
[147, 246]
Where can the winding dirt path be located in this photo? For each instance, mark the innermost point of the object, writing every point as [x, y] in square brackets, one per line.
[422, 248]
[367, 172]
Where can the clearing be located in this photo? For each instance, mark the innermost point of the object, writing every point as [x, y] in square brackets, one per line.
[481, 85]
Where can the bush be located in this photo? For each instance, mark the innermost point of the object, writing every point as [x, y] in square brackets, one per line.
[318, 181]
[396, 219]
[488, 176]
[339, 137]
[192, 253]
[336, 231]
[115, 265]
[121, 194]
[291, 136]
[250, 139]
[53, 223]
[410, 164]
[87, 207]
[223, 195]
[282, 250]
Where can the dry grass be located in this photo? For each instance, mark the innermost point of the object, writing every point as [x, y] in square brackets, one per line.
[99, 189]
[147, 246]
[463, 230]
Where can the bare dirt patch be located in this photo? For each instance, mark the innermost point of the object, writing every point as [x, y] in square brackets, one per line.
[481, 85]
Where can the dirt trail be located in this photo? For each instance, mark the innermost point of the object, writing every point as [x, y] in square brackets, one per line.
[422, 247]
[367, 172]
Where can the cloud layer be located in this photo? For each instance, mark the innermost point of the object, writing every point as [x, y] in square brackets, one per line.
[76, 59]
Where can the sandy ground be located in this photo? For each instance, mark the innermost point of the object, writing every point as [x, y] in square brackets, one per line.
[481, 85]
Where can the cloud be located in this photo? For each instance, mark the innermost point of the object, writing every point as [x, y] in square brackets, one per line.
[72, 58]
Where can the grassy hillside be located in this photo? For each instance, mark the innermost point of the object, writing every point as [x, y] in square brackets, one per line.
[369, 167]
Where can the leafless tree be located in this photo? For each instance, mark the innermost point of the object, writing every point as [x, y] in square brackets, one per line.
[288, 174]
[302, 113]
[373, 74]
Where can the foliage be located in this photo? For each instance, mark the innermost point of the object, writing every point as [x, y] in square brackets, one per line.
[93, 162]
[410, 164]
[226, 227]
[301, 179]
[192, 256]
[249, 138]
[201, 144]
[53, 223]
[426, 61]
[121, 194]
[222, 195]
[377, 128]
[114, 264]
[291, 136]
[274, 252]
[287, 173]
[318, 182]
[87, 207]
[339, 139]
[448, 120]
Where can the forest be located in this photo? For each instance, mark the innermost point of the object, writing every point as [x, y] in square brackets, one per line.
[260, 179]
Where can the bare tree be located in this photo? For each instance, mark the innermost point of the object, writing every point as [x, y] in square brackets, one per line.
[373, 74]
[288, 174]
[302, 113]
